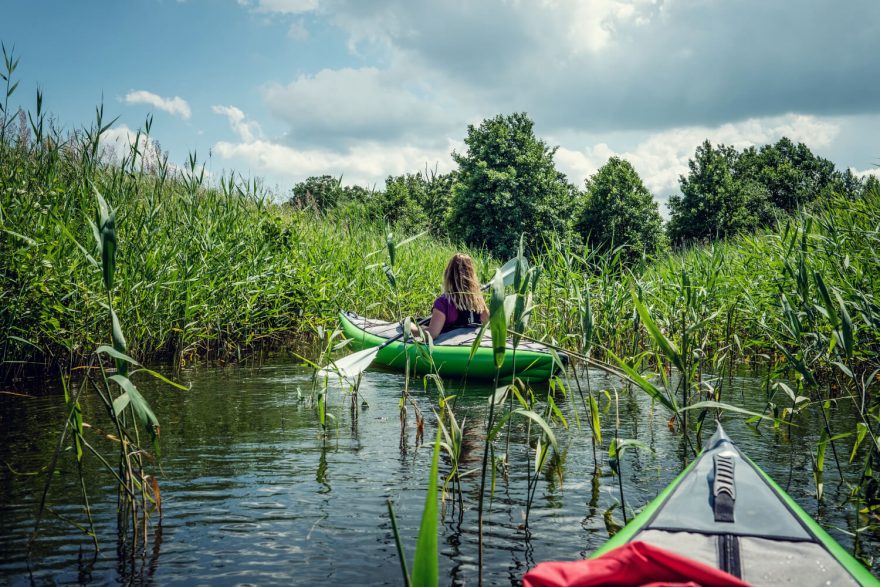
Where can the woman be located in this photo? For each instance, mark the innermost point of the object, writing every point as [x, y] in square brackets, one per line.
[461, 302]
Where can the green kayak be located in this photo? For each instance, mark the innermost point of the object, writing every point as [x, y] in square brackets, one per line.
[724, 511]
[451, 354]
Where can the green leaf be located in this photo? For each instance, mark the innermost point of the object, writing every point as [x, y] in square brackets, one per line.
[389, 273]
[729, 408]
[426, 566]
[411, 239]
[797, 363]
[82, 249]
[392, 247]
[586, 322]
[846, 327]
[652, 390]
[540, 422]
[106, 227]
[121, 402]
[138, 404]
[27, 240]
[557, 412]
[476, 344]
[498, 319]
[861, 431]
[24, 341]
[118, 342]
[620, 445]
[116, 354]
[594, 413]
[826, 299]
[161, 377]
[669, 349]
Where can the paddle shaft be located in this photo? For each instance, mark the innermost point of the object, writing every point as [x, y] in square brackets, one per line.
[421, 322]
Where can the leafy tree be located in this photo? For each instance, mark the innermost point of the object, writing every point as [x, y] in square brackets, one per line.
[319, 193]
[791, 173]
[714, 203]
[871, 185]
[436, 197]
[848, 185]
[507, 185]
[620, 211]
[401, 202]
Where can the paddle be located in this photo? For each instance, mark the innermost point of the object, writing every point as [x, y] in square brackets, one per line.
[354, 364]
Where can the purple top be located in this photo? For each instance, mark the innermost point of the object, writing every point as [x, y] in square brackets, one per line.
[454, 318]
[446, 306]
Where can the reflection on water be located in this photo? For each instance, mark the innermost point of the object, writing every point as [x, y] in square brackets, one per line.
[254, 493]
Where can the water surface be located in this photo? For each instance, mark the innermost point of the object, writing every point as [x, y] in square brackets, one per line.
[255, 493]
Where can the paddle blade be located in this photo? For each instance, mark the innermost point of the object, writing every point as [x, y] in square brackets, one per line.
[507, 274]
[350, 367]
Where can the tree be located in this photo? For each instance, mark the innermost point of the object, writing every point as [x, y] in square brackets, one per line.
[418, 201]
[320, 193]
[714, 203]
[620, 211]
[507, 185]
[401, 202]
[871, 185]
[791, 173]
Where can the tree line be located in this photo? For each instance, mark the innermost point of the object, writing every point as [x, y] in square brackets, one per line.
[506, 184]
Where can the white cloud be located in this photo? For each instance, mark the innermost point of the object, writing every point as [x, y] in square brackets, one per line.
[359, 104]
[662, 157]
[176, 105]
[117, 143]
[365, 163]
[591, 25]
[862, 174]
[246, 131]
[284, 6]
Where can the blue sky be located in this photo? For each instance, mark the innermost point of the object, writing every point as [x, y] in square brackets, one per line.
[284, 89]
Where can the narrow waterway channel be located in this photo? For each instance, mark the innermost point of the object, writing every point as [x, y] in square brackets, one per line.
[254, 493]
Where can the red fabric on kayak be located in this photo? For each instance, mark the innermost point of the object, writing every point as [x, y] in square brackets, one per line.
[636, 563]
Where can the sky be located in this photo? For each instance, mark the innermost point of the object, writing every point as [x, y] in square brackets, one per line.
[364, 89]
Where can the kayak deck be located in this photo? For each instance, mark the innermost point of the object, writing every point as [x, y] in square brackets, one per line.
[451, 351]
[723, 511]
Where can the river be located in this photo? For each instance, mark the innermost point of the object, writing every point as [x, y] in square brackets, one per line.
[254, 493]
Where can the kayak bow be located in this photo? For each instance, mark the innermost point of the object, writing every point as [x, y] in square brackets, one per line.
[724, 511]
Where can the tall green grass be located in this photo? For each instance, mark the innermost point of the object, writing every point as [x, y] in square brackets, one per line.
[206, 270]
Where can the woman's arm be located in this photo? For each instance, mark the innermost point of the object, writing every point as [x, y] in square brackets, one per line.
[434, 327]
[438, 319]
[484, 317]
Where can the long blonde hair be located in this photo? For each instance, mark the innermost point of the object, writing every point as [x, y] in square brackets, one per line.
[460, 284]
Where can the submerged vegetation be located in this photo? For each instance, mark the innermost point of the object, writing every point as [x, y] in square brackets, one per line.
[212, 269]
